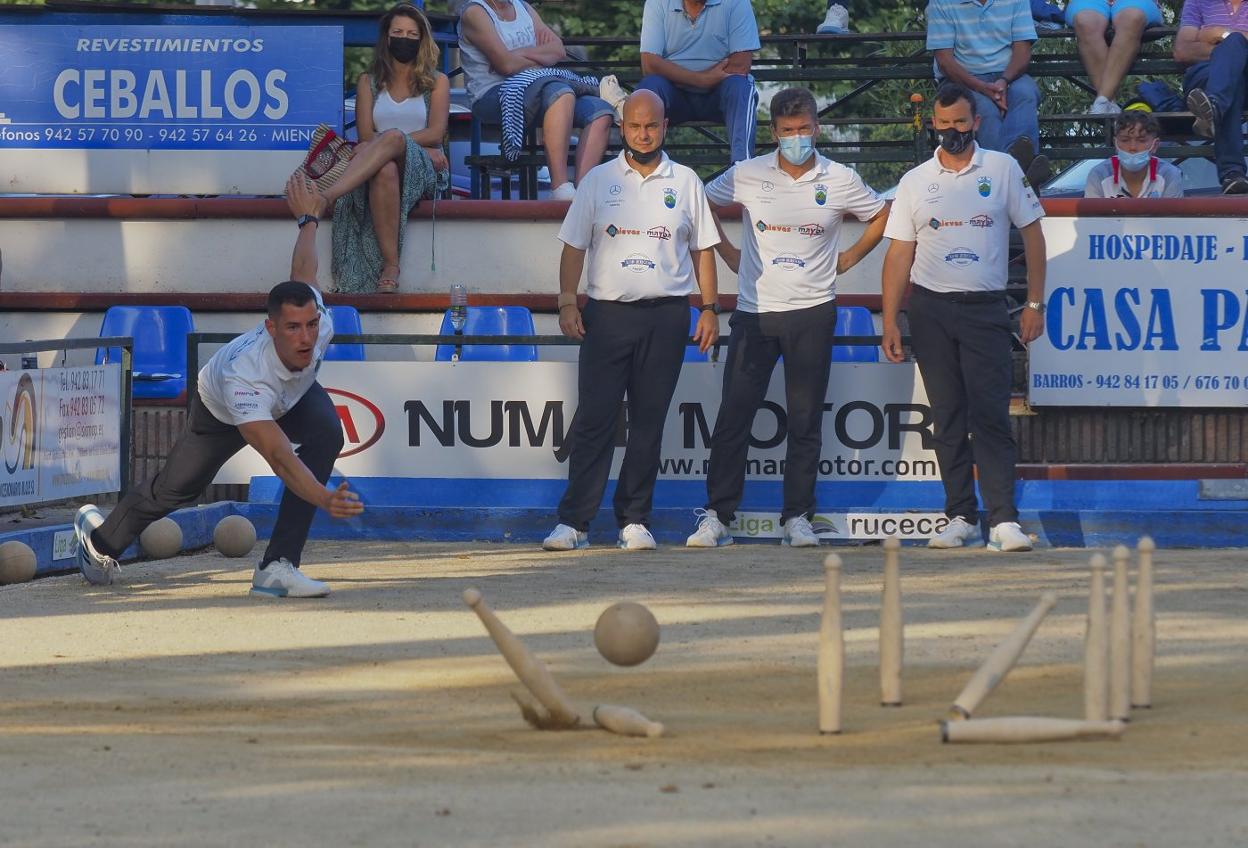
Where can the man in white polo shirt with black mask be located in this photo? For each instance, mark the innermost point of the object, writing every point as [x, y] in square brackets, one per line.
[794, 202]
[950, 231]
[646, 225]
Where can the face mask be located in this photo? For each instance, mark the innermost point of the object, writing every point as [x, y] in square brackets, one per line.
[643, 158]
[796, 148]
[1133, 161]
[404, 50]
[954, 141]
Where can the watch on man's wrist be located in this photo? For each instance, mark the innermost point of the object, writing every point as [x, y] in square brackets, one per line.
[710, 307]
[1037, 305]
[306, 219]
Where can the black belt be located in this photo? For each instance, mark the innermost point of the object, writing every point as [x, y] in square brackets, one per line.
[962, 296]
[649, 301]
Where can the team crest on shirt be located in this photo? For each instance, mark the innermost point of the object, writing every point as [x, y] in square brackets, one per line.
[788, 263]
[821, 194]
[669, 198]
[983, 222]
[985, 186]
[637, 263]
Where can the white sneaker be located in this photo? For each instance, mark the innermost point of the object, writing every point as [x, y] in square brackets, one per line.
[565, 538]
[799, 534]
[97, 569]
[711, 532]
[636, 537]
[566, 191]
[836, 21]
[956, 534]
[280, 579]
[610, 90]
[1008, 537]
[1104, 106]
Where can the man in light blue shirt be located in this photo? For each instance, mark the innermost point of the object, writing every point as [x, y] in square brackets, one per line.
[985, 46]
[696, 55]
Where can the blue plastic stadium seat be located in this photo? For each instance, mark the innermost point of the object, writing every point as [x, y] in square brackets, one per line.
[491, 321]
[855, 321]
[159, 333]
[346, 322]
[692, 354]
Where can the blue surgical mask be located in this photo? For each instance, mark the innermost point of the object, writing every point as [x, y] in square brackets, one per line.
[796, 148]
[1137, 161]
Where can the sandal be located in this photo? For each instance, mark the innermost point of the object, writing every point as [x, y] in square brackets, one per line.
[389, 283]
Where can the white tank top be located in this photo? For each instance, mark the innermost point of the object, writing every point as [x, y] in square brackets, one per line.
[514, 34]
[409, 115]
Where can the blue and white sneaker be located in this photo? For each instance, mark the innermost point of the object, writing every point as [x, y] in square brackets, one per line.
[799, 534]
[957, 533]
[97, 569]
[711, 532]
[565, 538]
[836, 21]
[280, 579]
[636, 537]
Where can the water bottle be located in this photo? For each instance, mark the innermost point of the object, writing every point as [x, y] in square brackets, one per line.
[30, 361]
[459, 307]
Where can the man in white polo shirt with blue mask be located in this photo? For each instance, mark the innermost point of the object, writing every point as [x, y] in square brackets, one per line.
[950, 231]
[794, 202]
[646, 225]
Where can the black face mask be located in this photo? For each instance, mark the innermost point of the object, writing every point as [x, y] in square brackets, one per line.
[643, 158]
[954, 141]
[404, 50]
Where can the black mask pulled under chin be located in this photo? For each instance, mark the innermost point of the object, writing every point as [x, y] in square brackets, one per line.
[643, 158]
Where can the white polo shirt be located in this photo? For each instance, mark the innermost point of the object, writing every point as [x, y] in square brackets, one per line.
[961, 220]
[791, 228]
[245, 381]
[639, 230]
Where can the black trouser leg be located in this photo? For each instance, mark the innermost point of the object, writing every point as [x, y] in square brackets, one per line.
[934, 337]
[988, 372]
[658, 355]
[204, 446]
[313, 425]
[602, 379]
[806, 343]
[751, 360]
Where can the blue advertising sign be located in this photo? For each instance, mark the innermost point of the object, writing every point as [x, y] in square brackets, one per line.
[168, 87]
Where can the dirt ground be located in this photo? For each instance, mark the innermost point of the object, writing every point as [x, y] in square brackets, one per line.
[176, 710]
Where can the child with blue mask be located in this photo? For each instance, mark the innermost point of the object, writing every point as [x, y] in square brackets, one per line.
[1134, 170]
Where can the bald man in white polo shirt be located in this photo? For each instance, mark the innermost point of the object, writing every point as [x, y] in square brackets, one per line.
[950, 231]
[646, 225]
[794, 202]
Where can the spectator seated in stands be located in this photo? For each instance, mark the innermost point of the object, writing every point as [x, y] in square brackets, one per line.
[1108, 62]
[696, 55]
[401, 111]
[502, 39]
[1212, 42]
[1134, 171]
[985, 46]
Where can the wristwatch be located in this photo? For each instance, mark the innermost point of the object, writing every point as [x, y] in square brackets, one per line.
[1036, 305]
[710, 307]
[307, 219]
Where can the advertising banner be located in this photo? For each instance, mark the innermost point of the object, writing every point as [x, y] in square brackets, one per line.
[505, 420]
[60, 433]
[168, 87]
[1143, 312]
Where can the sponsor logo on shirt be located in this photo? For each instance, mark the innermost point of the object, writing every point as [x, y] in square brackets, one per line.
[669, 198]
[811, 230]
[244, 405]
[961, 256]
[932, 188]
[246, 393]
[768, 185]
[637, 263]
[983, 222]
[789, 263]
[985, 186]
[613, 231]
[615, 189]
[764, 227]
[821, 194]
[1026, 182]
[661, 233]
[938, 224]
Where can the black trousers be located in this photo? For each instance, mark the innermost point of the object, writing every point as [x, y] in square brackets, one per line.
[804, 338]
[198, 455]
[962, 343]
[632, 349]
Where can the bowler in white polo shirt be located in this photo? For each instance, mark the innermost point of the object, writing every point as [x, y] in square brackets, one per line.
[794, 202]
[950, 231]
[646, 225]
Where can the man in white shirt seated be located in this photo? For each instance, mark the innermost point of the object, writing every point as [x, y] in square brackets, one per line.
[1134, 170]
[258, 390]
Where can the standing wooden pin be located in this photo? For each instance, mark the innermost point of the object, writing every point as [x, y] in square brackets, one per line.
[831, 664]
[891, 629]
[1001, 660]
[1143, 629]
[1096, 648]
[1120, 639]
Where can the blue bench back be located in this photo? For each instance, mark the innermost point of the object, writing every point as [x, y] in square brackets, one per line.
[491, 321]
[159, 334]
